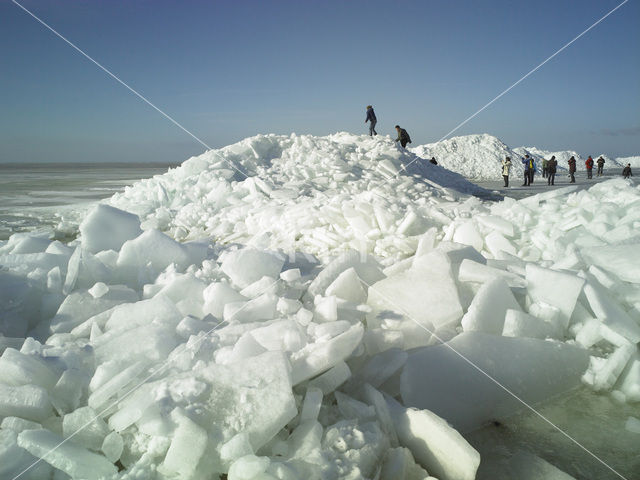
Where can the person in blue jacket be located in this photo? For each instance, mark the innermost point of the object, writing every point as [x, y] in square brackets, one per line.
[371, 117]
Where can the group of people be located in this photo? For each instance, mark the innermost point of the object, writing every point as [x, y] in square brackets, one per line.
[403, 136]
[549, 168]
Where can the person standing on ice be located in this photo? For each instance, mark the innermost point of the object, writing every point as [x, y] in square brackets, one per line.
[551, 170]
[403, 136]
[371, 117]
[600, 163]
[589, 165]
[506, 167]
[626, 171]
[545, 165]
[529, 168]
[572, 169]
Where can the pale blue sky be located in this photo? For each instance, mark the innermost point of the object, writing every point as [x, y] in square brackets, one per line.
[228, 70]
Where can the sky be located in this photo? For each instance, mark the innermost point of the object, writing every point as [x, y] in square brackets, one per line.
[226, 70]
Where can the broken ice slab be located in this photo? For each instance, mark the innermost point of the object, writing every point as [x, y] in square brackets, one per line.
[438, 378]
[74, 460]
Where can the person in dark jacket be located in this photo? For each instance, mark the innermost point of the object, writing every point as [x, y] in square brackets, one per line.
[589, 164]
[552, 165]
[600, 163]
[403, 136]
[433, 160]
[626, 171]
[572, 169]
[371, 117]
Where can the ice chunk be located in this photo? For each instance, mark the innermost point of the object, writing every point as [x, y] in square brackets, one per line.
[152, 342]
[15, 462]
[520, 324]
[188, 445]
[74, 460]
[367, 268]
[400, 465]
[434, 443]
[629, 380]
[498, 224]
[320, 356]
[438, 379]
[332, 378]
[616, 260]
[16, 368]
[467, 234]
[489, 307]
[348, 287]
[249, 265]
[154, 249]
[81, 305]
[252, 396]
[237, 447]
[379, 369]
[217, 295]
[85, 427]
[112, 446]
[554, 288]
[249, 467]
[602, 374]
[311, 405]
[107, 228]
[101, 395]
[610, 313]
[426, 293]
[130, 315]
[471, 271]
[18, 424]
[26, 401]
[255, 310]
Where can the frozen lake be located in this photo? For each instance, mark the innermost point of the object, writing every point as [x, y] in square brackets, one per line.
[35, 196]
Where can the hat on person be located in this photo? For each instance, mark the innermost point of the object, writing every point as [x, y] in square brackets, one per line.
[397, 126]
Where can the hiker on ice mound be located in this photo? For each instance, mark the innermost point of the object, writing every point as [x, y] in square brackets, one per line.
[589, 164]
[572, 169]
[552, 165]
[433, 161]
[403, 136]
[600, 163]
[506, 167]
[626, 171]
[371, 117]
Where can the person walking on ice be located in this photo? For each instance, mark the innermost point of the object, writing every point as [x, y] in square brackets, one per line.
[572, 169]
[551, 170]
[589, 164]
[506, 167]
[600, 163]
[626, 171]
[371, 117]
[403, 136]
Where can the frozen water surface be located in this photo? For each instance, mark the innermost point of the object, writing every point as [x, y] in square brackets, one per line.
[276, 309]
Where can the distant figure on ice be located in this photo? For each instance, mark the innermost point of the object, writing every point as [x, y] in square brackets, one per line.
[433, 160]
[506, 167]
[589, 164]
[545, 167]
[572, 169]
[600, 163]
[403, 136]
[371, 117]
[551, 170]
[626, 171]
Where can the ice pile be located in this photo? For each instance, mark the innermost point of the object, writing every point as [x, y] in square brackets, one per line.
[314, 194]
[253, 357]
[474, 156]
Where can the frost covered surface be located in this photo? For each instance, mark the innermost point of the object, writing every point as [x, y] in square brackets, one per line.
[297, 332]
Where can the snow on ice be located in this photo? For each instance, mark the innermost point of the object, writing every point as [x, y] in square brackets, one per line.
[276, 309]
